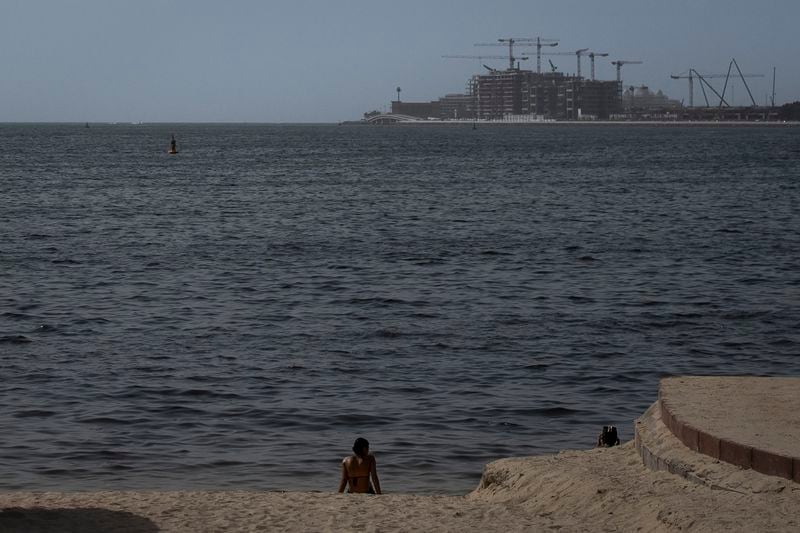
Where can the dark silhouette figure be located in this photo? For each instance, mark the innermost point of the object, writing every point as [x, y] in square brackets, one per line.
[173, 146]
[608, 437]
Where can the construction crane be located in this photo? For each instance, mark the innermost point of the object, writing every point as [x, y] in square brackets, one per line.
[524, 41]
[578, 54]
[592, 55]
[692, 74]
[619, 64]
[773, 85]
[539, 44]
[742, 76]
[552, 66]
[481, 58]
[505, 42]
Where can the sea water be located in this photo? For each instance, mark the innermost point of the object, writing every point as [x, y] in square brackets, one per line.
[235, 315]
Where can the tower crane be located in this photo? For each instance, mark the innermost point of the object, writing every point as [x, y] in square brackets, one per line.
[691, 75]
[510, 42]
[539, 42]
[481, 58]
[592, 55]
[619, 64]
[505, 42]
[578, 54]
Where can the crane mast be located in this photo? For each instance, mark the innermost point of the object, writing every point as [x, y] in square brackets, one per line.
[773, 86]
[539, 44]
[592, 55]
[509, 41]
[578, 54]
[619, 64]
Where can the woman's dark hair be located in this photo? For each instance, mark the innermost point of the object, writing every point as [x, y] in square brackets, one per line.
[359, 446]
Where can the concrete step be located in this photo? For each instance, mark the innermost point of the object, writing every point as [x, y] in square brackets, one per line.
[661, 450]
[751, 422]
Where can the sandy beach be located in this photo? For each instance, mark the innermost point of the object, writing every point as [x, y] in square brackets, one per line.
[654, 483]
[594, 490]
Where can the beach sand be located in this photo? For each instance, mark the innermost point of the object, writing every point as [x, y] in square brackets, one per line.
[603, 489]
[594, 490]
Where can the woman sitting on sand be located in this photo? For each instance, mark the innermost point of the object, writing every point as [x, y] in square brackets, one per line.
[358, 469]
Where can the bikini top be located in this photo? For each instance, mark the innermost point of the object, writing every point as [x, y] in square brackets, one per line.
[348, 473]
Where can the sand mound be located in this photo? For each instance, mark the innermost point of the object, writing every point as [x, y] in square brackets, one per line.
[610, 489]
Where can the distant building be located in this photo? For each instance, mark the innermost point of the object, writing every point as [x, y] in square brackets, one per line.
[523, 96]
[596, 99]
[499, 94]
[550, 95]
[642, 98]
[449, 107]
[416, 109]
[457, 106]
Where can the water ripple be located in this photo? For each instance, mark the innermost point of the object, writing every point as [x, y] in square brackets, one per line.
[202, 322]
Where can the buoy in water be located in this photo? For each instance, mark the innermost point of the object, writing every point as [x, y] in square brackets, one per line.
[173, 146]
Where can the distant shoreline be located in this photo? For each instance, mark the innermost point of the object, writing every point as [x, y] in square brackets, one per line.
[589, 123]
[675, 123]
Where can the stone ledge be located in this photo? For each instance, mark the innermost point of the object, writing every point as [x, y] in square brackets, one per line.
[651, 437]
[725, 447]
[660, 450]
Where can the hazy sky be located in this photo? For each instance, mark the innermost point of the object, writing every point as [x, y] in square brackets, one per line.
[331, 60]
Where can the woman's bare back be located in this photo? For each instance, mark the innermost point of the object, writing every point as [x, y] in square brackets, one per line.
[358, 471]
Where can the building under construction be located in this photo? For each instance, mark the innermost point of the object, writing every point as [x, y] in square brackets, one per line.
[550, 95]
[449, 107]
[517, 95]
[501, 94]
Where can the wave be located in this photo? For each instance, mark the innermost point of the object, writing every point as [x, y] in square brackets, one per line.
[15, 339]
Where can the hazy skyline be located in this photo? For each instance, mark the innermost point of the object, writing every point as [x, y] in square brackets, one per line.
[315, 61]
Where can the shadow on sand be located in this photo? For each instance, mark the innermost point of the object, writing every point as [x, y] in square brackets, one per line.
[81, 520]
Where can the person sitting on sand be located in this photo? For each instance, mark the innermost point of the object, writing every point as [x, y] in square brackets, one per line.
[608, 437]
[358, 469]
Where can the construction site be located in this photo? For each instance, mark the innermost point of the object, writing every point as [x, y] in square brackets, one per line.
[515, 94]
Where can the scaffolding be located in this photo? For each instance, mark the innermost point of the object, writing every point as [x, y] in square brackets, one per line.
[551, 95]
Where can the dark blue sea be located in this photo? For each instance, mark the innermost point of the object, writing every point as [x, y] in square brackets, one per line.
[234, 316]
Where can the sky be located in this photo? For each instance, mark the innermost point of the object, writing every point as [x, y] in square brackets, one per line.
[332, 60]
